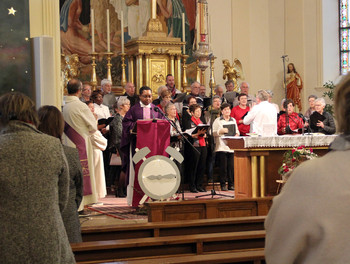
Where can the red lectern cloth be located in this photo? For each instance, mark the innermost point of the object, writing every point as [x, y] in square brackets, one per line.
[155, 136]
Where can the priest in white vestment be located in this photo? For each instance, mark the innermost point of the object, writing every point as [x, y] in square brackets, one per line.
[80, 125]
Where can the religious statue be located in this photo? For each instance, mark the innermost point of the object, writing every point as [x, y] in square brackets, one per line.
[294, 85]
[70, 67]
[233, 72]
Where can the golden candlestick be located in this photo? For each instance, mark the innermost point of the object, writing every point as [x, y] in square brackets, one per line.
[198, 71]
[109, 65]
[184, 73]
[123, 80]
[93, 74]
[212, 78]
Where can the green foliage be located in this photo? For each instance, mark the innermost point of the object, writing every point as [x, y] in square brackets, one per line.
[330, 94]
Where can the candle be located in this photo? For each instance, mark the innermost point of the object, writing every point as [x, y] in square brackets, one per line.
[209, 32]
[92, 30]
[122, 30]
[108, 34]
[197, 29]
[183, 33]
[154, 9]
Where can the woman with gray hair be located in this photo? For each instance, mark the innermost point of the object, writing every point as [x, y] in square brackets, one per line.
[121, 107]
[34, 187]
[321, 121]
[312, 211]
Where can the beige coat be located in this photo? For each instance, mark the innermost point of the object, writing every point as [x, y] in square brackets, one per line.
[33, 192]
[309, 220]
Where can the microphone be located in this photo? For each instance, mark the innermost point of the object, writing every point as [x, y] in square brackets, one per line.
[157, 109]
[284, 56]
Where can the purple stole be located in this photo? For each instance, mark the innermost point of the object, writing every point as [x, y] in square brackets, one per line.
[79, 142]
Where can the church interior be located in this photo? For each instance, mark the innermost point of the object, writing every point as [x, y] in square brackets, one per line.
[211, 42]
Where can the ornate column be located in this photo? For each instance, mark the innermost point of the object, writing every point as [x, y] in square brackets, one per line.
[147, 72]
[131, 63]
[198, 72]
[184, 74]
[172, 68]
[139, 73]
[178, 72]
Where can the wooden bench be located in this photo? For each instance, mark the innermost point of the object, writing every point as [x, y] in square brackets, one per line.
[207, 209]
[197, 244]
[242, 257]
[173, 228]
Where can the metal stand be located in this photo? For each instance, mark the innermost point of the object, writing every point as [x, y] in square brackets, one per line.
[212, 84]
[183, 139]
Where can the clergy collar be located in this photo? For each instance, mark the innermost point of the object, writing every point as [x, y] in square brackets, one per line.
[145, 106]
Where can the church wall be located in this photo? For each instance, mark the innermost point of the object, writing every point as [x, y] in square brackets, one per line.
[262, 31]
[44, 21]
[257, 32]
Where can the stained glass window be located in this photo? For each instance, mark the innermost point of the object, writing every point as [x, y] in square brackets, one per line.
[344, 33]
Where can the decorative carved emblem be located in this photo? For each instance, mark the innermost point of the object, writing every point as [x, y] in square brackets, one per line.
[158, 69]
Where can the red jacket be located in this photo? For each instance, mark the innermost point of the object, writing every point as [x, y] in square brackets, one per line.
[295, 122]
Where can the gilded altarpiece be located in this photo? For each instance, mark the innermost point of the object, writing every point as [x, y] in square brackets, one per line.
[152, 58]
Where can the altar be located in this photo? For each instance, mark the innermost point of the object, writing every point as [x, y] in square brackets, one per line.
[257, 159]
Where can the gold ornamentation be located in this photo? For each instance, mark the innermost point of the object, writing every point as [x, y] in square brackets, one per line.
[70, 67]
[160, 51]
[154, 25]
[158, 70]
[233, 72]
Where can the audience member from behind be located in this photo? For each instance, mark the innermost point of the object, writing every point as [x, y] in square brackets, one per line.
[320, 120]
[263, 114]
[51, 122]
[85, 93]
[239, 112]
[309, 220]
[34, 187]
[223, 152]
[290, 122]
[311, 99]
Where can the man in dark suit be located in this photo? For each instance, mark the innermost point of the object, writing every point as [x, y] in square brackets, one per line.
[130, 93]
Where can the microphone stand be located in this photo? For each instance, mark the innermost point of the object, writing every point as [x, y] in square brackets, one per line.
[183, 138]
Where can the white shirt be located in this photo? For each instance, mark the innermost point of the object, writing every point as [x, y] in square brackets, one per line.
[261, 114]
[217, 126]
[102, 111]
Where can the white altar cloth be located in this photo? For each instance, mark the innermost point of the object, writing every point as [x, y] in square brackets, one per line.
[309, 140]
